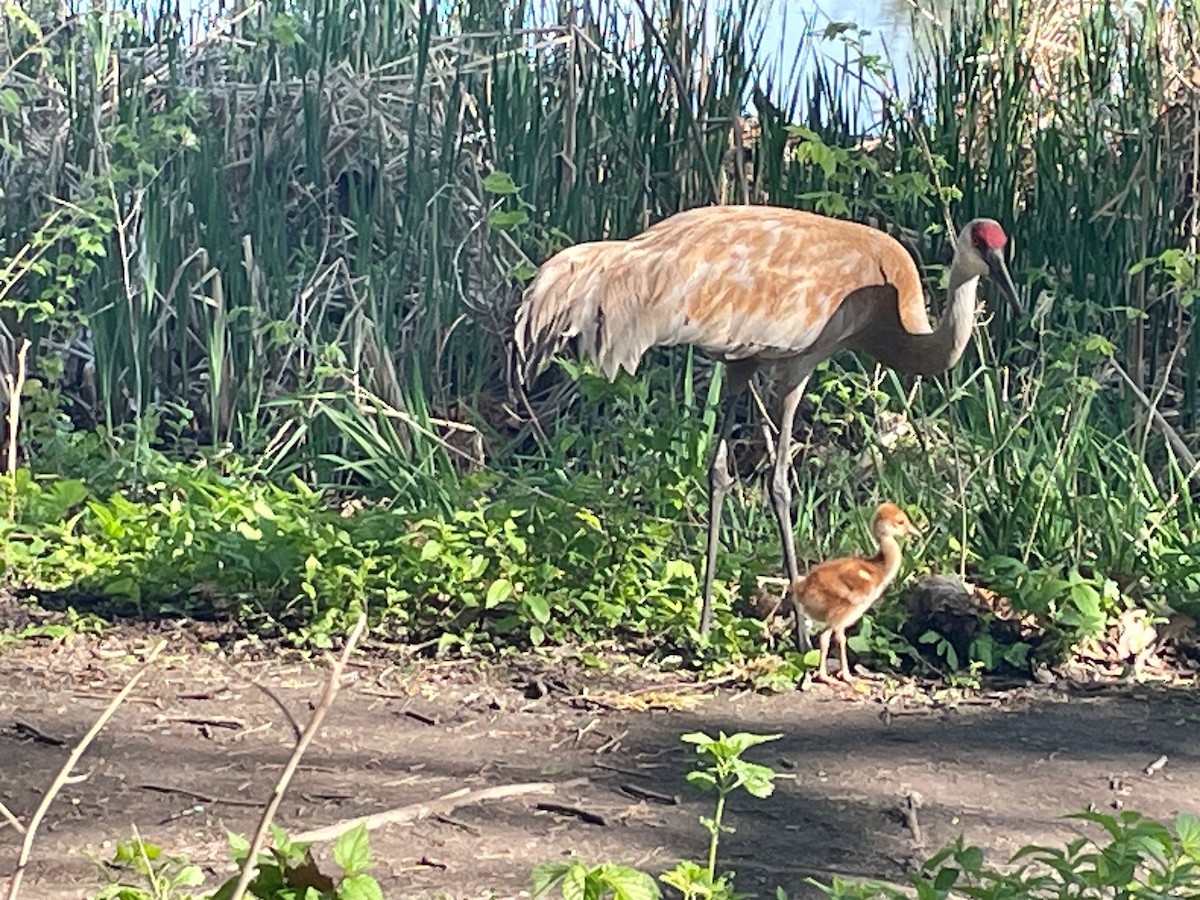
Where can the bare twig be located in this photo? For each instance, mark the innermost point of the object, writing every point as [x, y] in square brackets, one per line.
[207, 799]
[908, 807]
[64, 774]
[37, 734]
[11, 819]
[229, 722]
[454, 823]
[439, 806]
[642, 793]
[583, 815]
[250, 865]
[267, 692]
[1172, 436]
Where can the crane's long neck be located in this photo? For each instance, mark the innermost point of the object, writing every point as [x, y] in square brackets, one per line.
[889, 557]
[953, 331]
[929, 354]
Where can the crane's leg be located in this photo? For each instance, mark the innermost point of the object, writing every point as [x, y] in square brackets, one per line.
[823, 640]
[737, 377]
[792, 388]
[844, 671]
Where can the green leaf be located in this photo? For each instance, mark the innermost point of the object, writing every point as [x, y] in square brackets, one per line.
[124, 586]
[499, 591]
[69, 492]
[758, 781]
[537, 607]
[546, 875]
[1187, 827]
[10, 101]
[945, 879]
[628, 883]
[505, 220]
[359, 887]
[352, 851]
[498, 182]
[239, 845]
[189, 876]
[574, 883]
[970, 858]
[248, 531]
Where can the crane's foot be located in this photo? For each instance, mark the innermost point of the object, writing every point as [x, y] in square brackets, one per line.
[823, 677]
[844, 676]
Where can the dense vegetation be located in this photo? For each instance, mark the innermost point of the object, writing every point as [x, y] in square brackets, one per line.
[256, 287]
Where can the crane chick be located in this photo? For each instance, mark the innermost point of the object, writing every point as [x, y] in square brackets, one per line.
[838, 591]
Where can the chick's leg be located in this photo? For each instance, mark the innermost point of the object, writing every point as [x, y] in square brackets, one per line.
[823, 641]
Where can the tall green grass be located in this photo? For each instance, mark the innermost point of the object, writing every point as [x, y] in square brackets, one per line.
[301, 239]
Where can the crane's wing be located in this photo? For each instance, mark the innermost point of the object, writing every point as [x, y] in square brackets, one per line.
[735, 281]
[836, 590]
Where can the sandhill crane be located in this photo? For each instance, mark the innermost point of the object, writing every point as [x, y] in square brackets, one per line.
[838, 591]
[754, 287]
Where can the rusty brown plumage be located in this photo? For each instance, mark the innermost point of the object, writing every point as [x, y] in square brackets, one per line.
[755, 287]
[838, 591]
[738, 282]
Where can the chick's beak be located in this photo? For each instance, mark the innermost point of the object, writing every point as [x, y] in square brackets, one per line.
[999, 271]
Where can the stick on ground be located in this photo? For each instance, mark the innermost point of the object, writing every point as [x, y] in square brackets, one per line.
[12, 820]
[250, 865]
[438, 806]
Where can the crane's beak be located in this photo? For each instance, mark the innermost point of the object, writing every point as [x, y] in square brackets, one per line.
[999, 271]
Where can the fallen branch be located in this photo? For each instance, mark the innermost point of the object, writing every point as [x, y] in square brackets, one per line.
[584, 815]
[12, 820]
[64, 774]
[642, 793]
[36, 734]
[206, 799]
[229, 722]
[439, 806]
[250, 864]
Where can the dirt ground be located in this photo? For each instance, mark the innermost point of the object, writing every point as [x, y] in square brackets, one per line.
[197, 749]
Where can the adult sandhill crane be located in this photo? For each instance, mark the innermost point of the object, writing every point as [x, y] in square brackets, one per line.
[754, 287]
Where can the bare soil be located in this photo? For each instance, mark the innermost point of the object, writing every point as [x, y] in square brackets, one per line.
[197, 749]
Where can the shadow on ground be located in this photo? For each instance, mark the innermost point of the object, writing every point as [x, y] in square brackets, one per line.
[196, 750]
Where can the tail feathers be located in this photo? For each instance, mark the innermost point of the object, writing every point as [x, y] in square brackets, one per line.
[583, 293]
[546, 319]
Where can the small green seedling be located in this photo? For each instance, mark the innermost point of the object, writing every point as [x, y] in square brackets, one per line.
[725, 773]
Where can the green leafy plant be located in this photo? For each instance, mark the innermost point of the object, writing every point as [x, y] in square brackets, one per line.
[288, 870]
[579, 882]
[144, 872]
[1138, 858]
[725, 772]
